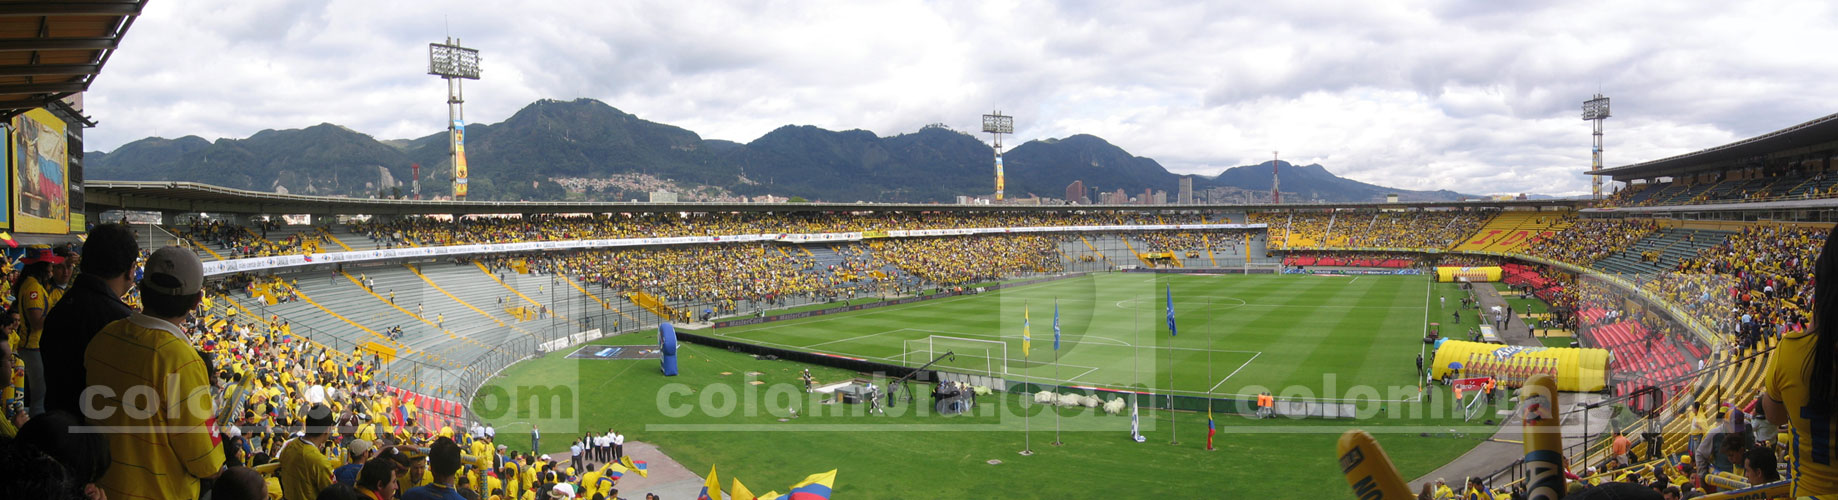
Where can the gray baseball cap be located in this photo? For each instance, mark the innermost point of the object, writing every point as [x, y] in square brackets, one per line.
[173, 271]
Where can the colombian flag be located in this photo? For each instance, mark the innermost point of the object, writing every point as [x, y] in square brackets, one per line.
[615, 471]
[1027, 339]
[815, 487]
[711, 490]
[638, 466]
[1210, 428]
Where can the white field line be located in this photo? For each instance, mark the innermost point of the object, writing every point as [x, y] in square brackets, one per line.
[857, 337]
[1234, 372]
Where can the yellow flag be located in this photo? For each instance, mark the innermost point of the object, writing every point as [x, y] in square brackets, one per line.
[1027, 338]
[740, 492]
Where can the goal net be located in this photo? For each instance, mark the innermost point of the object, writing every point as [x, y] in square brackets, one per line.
[972, 356]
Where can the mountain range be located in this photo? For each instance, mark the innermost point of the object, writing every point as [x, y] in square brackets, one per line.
[585, 149]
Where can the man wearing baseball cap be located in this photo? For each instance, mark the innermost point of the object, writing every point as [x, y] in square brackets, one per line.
[160, 453]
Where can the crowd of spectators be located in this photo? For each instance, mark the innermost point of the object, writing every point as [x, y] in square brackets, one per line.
[1757, 283]
[1592, 239]
[1186, 244]
[237, 241]
[433, 232]
[722, 275]
[1370, 228]
[1439, 229]
[256, 412]
[966, 260]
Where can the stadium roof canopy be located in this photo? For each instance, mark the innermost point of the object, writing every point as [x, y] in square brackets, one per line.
[185, 197]
[1820, 131]
[53, 50]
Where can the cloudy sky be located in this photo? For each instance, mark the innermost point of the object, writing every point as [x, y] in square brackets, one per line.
[1476, 96]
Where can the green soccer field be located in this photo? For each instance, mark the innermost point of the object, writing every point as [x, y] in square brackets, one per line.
[1283, 333]
[1238, 334]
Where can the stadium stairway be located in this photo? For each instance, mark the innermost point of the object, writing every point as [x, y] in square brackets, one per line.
[1670, 247]
[472, 293]
[334, 318]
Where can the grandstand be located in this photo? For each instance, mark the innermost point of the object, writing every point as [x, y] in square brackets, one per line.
[434, 307]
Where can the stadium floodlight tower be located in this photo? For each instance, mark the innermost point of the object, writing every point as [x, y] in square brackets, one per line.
[453, 63]
[1595, 110]
[1276, 181]
[998, 124]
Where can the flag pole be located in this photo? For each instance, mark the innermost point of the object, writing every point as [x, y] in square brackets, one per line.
[1135, 362]
[1027, 421]
[1173, 434]
[1056, 379]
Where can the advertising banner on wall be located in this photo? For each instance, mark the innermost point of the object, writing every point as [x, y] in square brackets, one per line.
[459, 159]
[41, 196]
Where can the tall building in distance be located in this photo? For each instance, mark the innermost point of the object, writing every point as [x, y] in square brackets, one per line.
[1075, 193]
[1119, 198]
[1186, 196]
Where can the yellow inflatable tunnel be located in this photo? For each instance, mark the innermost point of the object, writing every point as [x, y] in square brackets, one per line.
[1578, 369]
[1473, 274]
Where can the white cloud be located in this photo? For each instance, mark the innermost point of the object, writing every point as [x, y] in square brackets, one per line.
[1478, 97]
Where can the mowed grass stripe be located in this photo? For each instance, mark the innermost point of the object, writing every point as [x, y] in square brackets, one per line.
[1358, 337]
[1303, 326]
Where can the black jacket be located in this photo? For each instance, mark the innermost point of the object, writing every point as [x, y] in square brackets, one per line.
[88, 306]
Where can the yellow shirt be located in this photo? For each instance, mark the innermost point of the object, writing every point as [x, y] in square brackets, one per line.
[304, 470]
[32, 296]
[492, 483]
[1814, 440]
[161, 454]
[56, 294]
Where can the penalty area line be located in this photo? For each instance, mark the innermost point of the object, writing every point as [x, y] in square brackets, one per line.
[1234, 372]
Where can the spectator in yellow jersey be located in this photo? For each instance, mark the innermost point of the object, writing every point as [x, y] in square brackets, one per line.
[304, 467]
[161, 454]
[1802, 383]
[33, 299]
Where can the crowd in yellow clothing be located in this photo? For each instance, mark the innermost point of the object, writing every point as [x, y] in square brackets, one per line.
[1757, 282]
[1188, 244]
[1370, 228]
[1592, 239]
[965, 260]
[435, 232]
[717, 274]
[236, 241]
[1440, 229]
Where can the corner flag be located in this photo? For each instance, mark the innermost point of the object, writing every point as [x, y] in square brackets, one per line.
[1056, 325]
[1171, 331]
[1027, 339]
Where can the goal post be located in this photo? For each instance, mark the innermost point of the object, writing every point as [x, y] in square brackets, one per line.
[972, 356]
